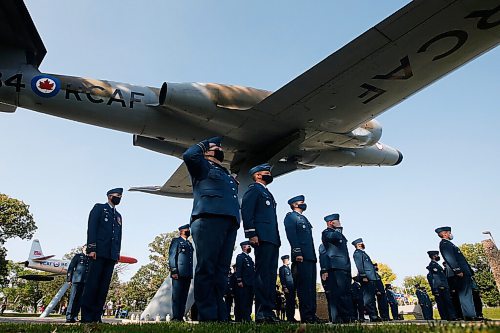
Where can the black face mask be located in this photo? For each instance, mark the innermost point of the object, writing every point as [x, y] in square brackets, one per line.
[248, 250]
[437, 258]
[362, 247]
[116, 200]
[219, 155]
[187, 233]
[268, 179]
[302, 206]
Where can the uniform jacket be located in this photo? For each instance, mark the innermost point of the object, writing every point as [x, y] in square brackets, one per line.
[258, 211]
[245, 269]
[230, 283]
[379, 285]
[423, 298]
[436, 277]
[391, 297]
[454, 258]
[356, 291]
[364, 265]
[104, 232]
[180, 257]
[78, 268]
[215, 191]
[299, 234]
[336, 249]
[286, 277]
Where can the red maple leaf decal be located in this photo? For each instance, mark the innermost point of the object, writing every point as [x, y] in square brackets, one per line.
[46, 85]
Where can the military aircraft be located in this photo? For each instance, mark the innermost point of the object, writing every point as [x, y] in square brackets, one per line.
[37, 260]
[324, 117]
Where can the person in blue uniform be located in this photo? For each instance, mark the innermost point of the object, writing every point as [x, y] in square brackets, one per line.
[367, 277]
[439, 287]
[229, 292]
[357, 300]
[77, 272]
[215, 219]
[391, 300]
[461, 269]
[288, 288]
[104, 237]
[180, 260]
[245, 280]
[258, 212]
[338, 270]
[425, 302]
[383, 306]
[299, 234]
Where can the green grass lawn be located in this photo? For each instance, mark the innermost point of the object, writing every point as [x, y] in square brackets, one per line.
[250, 328]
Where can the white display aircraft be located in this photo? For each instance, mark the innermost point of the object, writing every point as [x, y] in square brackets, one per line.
[37, 260]
[324, 117]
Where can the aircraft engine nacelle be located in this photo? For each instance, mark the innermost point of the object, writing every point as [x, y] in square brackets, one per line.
[192, 98]
[376, 155]
[159, 145]
[202, 98]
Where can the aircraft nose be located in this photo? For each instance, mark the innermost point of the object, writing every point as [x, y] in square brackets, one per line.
[400, 158]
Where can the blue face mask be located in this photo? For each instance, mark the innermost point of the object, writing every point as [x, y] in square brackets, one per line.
[302, 206]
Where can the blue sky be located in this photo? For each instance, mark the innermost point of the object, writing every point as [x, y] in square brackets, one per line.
[448, 132]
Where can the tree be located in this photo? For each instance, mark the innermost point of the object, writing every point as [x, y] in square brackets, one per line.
[146, 281]
[476, 257]
[21, 294]
[386, 273]
[15, 221]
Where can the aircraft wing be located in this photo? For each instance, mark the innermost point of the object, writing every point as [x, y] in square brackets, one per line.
[20, 42]
[178, 185]
[43, 258]
[409, 50]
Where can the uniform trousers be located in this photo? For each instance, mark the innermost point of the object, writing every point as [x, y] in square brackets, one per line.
[266, 264]
[444, 304]
[180, 290]
[290, 304]
[96, 288]
[75, 300]
[368, 290]
[340, 298]
[214, 238]
[464, 290]
[304, 277]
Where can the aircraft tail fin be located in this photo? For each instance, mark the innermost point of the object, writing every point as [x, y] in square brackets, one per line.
[20, 42]
[36, 250]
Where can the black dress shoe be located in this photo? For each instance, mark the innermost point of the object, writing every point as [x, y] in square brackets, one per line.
[376, 320]
[70, 320]
[267, 320]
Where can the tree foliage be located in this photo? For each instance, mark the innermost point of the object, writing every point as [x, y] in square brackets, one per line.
[15, 221]
[386, 273]
[476, 257]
